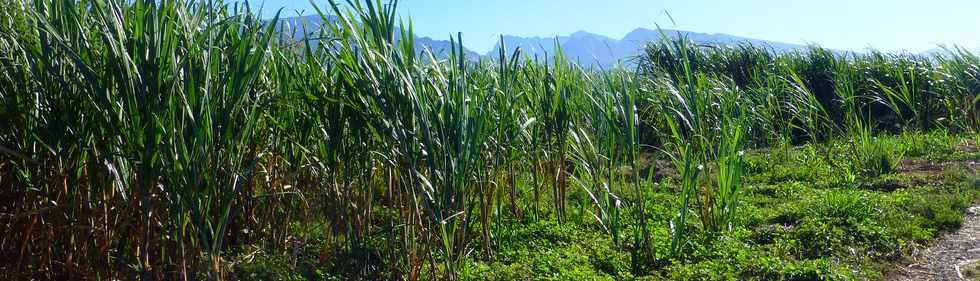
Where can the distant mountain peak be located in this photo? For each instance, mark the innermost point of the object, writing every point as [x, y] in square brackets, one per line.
[583, 33]
[639, 33]
[590, 49]
[594, 50]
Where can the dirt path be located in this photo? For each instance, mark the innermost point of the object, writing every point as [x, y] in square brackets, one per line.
[949, 257]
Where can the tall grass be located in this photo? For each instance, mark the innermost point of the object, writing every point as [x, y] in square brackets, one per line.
[158, 138]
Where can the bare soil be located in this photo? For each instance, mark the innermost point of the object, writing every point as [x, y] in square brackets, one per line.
[952, 257]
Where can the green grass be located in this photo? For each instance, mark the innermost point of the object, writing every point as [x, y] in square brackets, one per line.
[194, 140]
[804, 227]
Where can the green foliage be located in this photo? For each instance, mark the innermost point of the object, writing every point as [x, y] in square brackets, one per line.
[922, 214]
[752, 266]
[841, 223]
[549, 251]
[871, 156]
[156, 138]
[276, 267]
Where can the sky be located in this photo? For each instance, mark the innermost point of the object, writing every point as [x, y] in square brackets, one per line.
[888, 25]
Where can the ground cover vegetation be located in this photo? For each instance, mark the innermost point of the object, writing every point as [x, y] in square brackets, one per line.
[195, 140]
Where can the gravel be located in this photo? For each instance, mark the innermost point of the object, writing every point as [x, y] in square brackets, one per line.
[942, 261]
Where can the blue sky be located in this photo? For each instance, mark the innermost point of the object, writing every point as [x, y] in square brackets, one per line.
[839, 24]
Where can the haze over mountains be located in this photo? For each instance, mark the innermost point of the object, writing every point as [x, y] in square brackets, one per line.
[598, 50]
[588, 49]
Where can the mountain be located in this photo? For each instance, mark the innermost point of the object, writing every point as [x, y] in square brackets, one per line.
[295, 26]
[947, 50]
[644, 35]
[600, 51]
[440, 48]
[588, 49]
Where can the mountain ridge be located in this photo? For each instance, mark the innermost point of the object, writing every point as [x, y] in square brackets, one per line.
[597, 50]
[587, 48]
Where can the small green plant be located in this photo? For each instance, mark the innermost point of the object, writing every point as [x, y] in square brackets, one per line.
[870, 156]
[730, 177]
[689, 175]
[830, 221]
